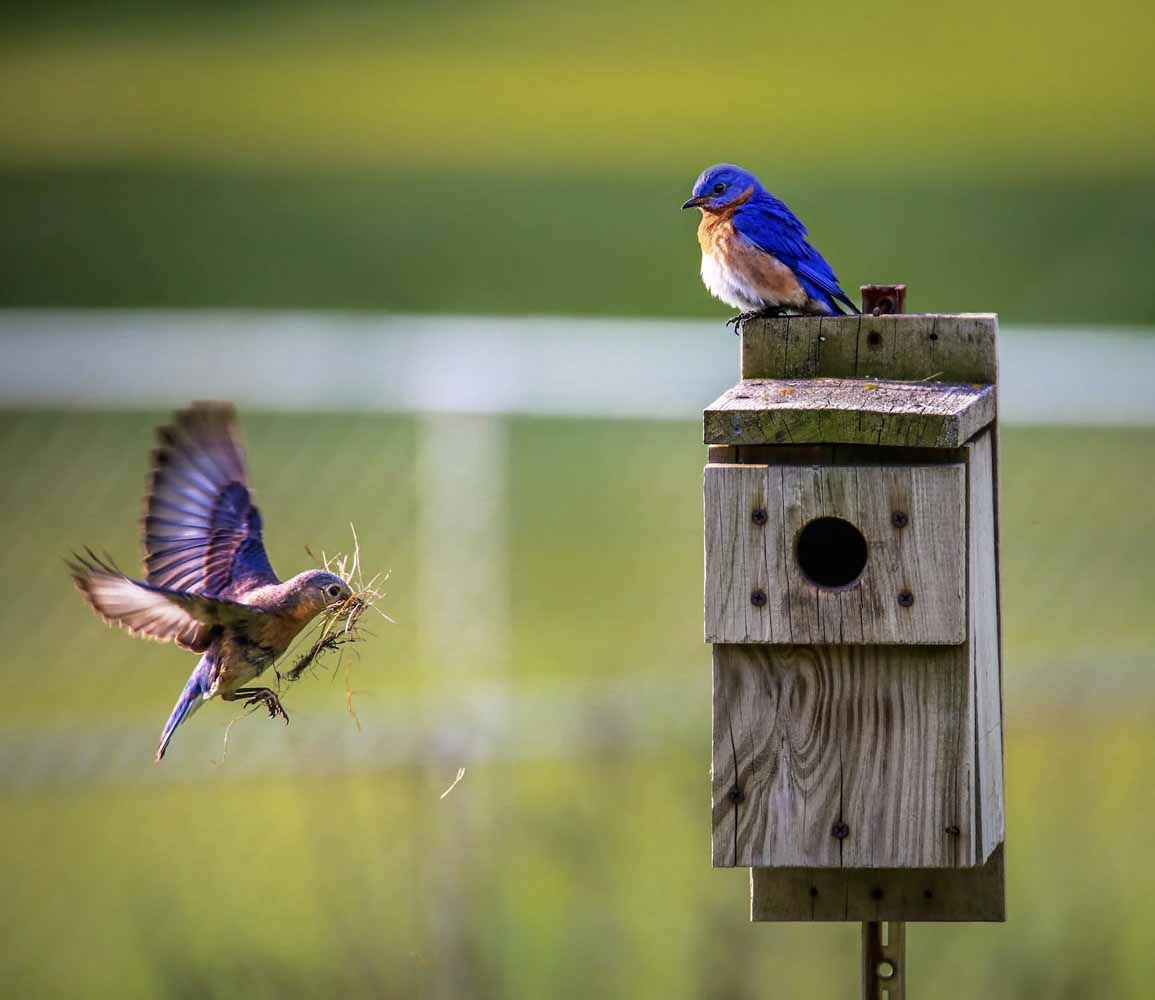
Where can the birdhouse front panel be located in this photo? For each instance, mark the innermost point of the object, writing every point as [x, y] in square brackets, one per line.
[855, 554]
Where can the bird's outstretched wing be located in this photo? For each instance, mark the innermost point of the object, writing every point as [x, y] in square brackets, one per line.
[156, 612]
[202, 534]
[768, 223]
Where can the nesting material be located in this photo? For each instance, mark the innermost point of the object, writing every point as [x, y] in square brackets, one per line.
[342, 624]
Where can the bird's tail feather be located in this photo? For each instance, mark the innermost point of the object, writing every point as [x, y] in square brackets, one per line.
[841, 298]
[191, 698]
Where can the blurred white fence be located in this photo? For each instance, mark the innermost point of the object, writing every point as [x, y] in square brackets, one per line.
[464, 376]
[488, 365]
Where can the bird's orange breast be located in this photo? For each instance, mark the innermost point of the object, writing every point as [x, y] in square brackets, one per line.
[717, 226]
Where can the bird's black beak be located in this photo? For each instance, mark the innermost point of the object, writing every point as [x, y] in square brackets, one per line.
[695, 202]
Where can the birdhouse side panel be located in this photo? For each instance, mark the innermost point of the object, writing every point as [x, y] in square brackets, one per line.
[984, 641]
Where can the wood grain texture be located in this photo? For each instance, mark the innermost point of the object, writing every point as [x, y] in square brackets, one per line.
[849, 411]
[984, 643]
[809, 737]
[949, 348]
[836, 894]
[925, 558]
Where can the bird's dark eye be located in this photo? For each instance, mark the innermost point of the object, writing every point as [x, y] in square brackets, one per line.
[719, 187]
[334, 591]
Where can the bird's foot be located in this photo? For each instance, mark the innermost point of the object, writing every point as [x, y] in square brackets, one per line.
[737, 321]
[266, 697]
[766, 312]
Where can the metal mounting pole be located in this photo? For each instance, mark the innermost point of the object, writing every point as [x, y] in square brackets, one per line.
[884, 960]
[883, 943]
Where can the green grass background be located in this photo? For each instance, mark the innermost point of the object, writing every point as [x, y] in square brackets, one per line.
[516, 157]
[572, 875]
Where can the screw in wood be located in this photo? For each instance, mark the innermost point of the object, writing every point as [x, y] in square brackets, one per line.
[876, 893]
[953, 830]
[760, 517]
[758, 598]
[736, 795]
[840, 830]
[905, 598]
[900, 519]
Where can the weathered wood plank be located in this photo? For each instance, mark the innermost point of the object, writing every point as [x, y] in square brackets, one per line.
[809, 738]
[947, 347]
[849, 411]
[984, 644]
[736, 536]
[836, 894]
[777, 779]
[911, 590]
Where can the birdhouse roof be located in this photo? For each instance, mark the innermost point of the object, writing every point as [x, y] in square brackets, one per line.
[914, 380]
[850, 411]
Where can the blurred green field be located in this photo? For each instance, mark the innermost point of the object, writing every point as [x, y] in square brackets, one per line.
[460, 241]
[998, 86]
[518, 158]
[565, 875]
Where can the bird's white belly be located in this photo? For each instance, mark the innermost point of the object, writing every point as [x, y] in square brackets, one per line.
[724, 284]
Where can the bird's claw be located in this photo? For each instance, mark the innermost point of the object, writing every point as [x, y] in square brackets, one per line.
[766, 312]
[271, 702]
[737, 321]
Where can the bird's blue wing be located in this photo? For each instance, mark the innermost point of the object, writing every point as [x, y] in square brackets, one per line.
[202, 534]
[768, 223]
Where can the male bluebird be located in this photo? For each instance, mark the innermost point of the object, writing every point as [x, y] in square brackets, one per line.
[208, 584]
[755, 256]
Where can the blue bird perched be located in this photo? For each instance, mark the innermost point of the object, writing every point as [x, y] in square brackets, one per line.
[208, 583]
[755, 255]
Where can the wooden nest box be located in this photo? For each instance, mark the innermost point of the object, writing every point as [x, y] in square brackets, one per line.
[851, 537]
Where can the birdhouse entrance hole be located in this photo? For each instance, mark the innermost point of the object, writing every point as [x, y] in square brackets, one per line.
[831, 552]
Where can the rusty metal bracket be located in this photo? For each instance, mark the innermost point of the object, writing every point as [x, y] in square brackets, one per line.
[884, 961]
[883, 300]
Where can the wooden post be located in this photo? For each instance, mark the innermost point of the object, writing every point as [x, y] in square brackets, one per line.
[852, 602]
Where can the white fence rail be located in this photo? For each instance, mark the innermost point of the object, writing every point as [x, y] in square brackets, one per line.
[487, 365]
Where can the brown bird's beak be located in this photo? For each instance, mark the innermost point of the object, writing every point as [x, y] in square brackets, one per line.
[695, 202]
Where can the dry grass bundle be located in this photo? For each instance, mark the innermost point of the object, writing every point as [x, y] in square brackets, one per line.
[341, 625]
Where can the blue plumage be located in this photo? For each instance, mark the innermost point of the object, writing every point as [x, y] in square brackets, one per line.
[191, 698]
[208, 583]
[756, 255]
